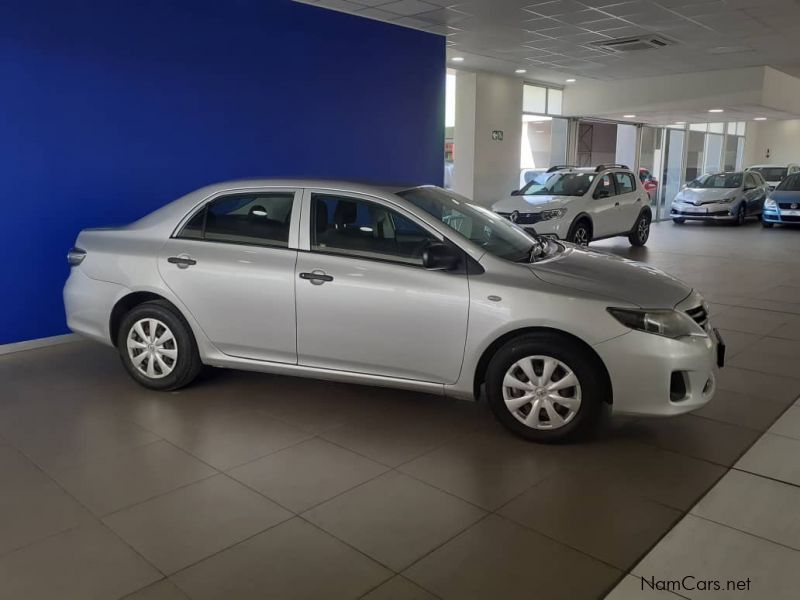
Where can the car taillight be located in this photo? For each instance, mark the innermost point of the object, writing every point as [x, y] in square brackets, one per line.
[75, 256]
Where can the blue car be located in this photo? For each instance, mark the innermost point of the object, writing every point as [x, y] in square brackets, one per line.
[783, 205]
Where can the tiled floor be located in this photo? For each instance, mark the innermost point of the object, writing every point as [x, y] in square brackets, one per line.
[249, 485]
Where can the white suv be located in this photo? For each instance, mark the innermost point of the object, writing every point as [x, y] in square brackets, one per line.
[580, 205]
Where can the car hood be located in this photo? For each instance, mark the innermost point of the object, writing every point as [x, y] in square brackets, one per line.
[613, 277]
[529, 203]
[705, 196]
[785, 196]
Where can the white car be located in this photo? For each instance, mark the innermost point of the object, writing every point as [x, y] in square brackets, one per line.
[580, 205]
[774, 174]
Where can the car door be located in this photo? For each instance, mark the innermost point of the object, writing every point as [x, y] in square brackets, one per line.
[753, 194]
[364, 302]
[630, 198]
[602, 207]
[232, 266]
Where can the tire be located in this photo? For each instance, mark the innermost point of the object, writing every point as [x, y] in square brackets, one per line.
[580, 233]
[741, 215]
[179, 360]
[678, 220]
[767, 225]
[641, 230]
[532, 349]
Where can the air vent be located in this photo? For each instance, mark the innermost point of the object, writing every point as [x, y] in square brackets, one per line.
[634, 44]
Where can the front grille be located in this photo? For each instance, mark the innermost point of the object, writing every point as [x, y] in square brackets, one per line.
[523, 218]
[699, 315]
[787, 219]
[788, 205]
[683, 213]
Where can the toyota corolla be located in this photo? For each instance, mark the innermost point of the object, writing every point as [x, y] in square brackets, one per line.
[415, 288]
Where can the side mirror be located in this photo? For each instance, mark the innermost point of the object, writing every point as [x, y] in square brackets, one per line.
[601, 194]
[516, 193]
[440, 257]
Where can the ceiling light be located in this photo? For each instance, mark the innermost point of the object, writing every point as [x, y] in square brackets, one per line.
[520, 71]
[715, 110]
[760, 119]
[680, 122]
[457, 59]
[571, 80]
[628, 116]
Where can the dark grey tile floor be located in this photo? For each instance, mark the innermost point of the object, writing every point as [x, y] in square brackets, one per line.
[250, 485]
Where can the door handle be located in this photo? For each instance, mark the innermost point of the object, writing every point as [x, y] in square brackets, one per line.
[316, 277]
[182, 261]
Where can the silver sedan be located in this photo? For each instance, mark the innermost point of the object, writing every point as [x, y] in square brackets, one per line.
[417, 288]
[731, 197]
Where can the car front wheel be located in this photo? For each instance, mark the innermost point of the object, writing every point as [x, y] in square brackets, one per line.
[581, 233]
[545, 387]
[157, 347]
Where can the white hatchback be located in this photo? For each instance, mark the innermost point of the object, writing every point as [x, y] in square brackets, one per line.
[580, 205]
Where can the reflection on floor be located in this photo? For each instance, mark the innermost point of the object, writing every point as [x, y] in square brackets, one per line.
[250, 486]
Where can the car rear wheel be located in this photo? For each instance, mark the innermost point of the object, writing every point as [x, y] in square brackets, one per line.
[641, 230]
[157, 347]
[545, 387]
[581, 233]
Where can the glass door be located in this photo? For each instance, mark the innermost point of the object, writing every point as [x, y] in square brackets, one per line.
[673, 170]
[651, 155]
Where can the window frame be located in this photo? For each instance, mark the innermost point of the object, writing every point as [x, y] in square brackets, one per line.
[596, 182]
[294, 221]
[633, 179]
[307, 222]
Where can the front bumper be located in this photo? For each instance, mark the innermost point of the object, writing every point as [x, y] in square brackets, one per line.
[720, 211]
[775, 216]
[658, 376]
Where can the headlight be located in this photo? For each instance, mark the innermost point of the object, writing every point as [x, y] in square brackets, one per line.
[553, 213]
[669, 323]
[770, 203]
[728, 200]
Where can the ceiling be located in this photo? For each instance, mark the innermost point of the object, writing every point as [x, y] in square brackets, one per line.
[553, 39]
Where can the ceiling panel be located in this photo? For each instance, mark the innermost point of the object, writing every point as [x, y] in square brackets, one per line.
[552, 38]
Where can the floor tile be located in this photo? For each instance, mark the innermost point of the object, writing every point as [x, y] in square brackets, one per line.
[499, 559]
[561, 508]
[708, 550]
[744, 410]
[736, 341]
[788, 424]
[32, 506]
[307, 474]
[487, 467]
[119, 480]
[732, 500]
[85, 562]
[161, 590]
[233, 440]
[395, 519]
[761, 385]
[187, 525]
[293, 560]
[749, 320]
[399, 588]
[634, 588]
[773, 456]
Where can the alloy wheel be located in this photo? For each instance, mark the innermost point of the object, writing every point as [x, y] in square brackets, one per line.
[152, 348]
[581, 236]
[644, 229]
[542, 392]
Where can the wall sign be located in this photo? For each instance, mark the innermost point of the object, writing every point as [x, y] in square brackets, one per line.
[497, 135]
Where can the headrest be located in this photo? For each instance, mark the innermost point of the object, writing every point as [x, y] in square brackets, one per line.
[346, 212]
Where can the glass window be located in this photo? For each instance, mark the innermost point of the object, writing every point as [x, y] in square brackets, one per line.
[344, 225]
[625, 183]
[740, 127]
[716, 127]
[480, 225]
[732, 128]
[771, 173]
[260, 218]
[698, 127]
[605, 187]
[554, 100]
[534, 99]
[717, 180]
[561, 184]
[790, 184]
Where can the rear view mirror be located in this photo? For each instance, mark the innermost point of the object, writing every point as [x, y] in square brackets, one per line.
[516, 193]
[440, 257]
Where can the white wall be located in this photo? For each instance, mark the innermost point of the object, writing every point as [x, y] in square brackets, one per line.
[781, 138]
[485, 169]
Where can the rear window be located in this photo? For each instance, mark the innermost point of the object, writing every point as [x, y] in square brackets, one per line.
[771, 173]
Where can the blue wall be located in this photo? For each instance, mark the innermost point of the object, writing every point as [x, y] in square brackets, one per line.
[109, 109]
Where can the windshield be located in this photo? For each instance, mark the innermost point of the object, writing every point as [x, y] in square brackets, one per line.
[790, 184]
[481, 226]
[535, 182]
[561, 184]
[718, 180]
[771, 173]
